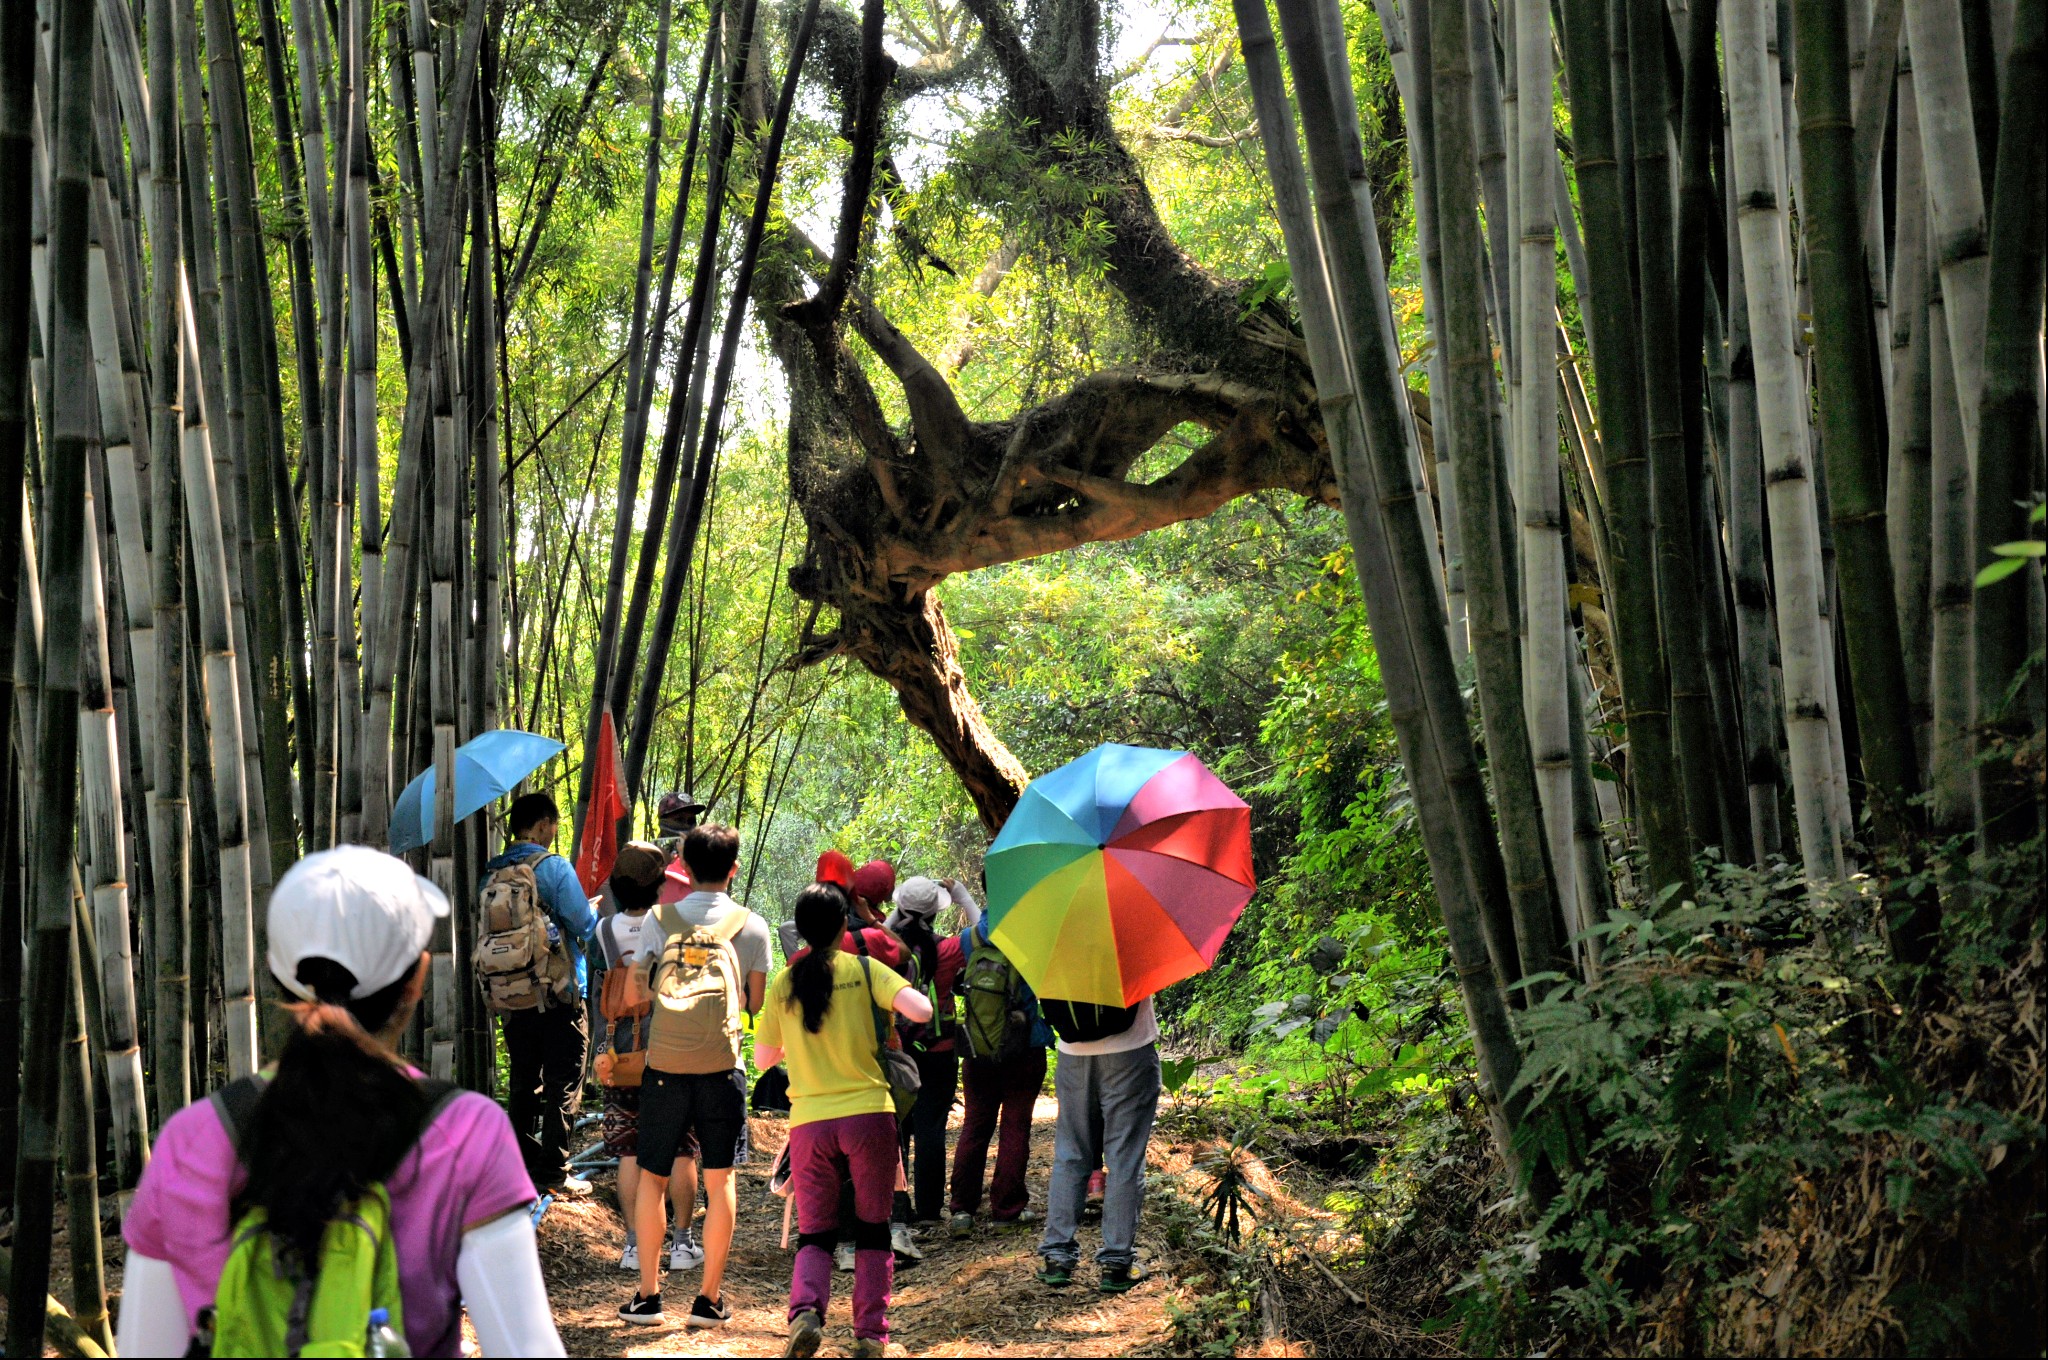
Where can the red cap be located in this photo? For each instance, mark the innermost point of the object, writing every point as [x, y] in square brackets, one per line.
[875, 880]
[835, 867]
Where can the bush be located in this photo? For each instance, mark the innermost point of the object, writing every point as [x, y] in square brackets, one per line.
[1772, 1138]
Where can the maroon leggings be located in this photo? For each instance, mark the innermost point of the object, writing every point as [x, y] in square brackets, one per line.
[860, 1148]
[1004, 1092]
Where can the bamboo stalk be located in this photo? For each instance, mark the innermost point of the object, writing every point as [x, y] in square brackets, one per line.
[443, 242]
[314, 400]
[1475, 460]
[1602, 161]
[1908, 491]
[687, 390]
[1547, 690]
[1781, 413]
[106, 854]
[1763, 773]
[81, 1157]
[1385, 530]
[1676, 561]
[1951, 681]
[1959, 241]
[73, 431]
[633, 437]
[2008, 487]
[1430, 247]
[169, 811]
[689, 515]
[1853, 441]
[362, 365]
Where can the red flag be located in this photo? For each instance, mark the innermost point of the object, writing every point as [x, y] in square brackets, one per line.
[601, 818]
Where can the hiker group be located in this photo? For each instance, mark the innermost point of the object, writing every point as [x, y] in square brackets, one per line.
[867, 1037]
[342, 1203]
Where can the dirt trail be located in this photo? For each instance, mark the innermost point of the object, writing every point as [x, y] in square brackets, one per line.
[976, 1297]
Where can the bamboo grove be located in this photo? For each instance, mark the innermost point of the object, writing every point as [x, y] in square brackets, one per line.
[1807, 564]
[1710, 529]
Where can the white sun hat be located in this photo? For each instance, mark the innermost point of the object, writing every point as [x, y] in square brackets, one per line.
[361, 908]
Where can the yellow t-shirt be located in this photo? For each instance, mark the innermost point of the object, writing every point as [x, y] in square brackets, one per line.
[833, 1073]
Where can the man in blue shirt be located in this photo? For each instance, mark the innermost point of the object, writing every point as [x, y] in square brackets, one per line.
[545, 1048]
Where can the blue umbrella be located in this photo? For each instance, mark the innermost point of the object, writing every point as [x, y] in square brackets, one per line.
[487, 768]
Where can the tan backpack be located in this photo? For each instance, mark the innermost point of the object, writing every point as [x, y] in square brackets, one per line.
[515, 965]
[699, 999]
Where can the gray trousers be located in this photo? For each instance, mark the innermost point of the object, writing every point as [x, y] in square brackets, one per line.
[1107, 1105]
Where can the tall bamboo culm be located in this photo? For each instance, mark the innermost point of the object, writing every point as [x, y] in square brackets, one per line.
[1782, 416]
[73, 431]
[1546, 682]
[1599, 116]
[169, 810]
[1384, 529]
[1465, 418]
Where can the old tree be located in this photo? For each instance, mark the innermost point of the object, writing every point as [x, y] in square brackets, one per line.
[901, 488]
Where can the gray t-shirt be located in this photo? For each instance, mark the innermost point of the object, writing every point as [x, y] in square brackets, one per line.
[751, 944]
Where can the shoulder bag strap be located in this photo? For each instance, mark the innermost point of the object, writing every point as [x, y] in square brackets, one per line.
[235, 1104]
[881, 1022]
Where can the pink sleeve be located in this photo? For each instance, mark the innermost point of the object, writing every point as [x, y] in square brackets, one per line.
[495, 1181]
[181, 1207]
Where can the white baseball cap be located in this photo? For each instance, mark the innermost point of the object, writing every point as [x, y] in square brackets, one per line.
[361, 908]
[920, 896]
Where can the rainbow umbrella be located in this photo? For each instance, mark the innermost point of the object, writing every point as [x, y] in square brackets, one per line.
[1119, 874]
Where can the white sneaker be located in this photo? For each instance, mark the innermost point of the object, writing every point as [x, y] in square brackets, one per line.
[685, 1254]
[842, 1258]
[906, 1250]
[572, 1186]
[629, 1259]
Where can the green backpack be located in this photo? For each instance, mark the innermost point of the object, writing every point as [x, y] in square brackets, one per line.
[267, 1304]
[997, 1025]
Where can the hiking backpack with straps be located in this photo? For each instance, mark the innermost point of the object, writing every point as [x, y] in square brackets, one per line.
[699, 998]
[268, 1302]
[627, 1005]
[515, 965]
[912, 1035]
[996, 1020]
[1084, 1022]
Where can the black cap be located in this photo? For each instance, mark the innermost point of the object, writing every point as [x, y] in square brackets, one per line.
[673, 804]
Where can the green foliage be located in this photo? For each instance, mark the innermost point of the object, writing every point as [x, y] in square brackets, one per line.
[1713, 1101]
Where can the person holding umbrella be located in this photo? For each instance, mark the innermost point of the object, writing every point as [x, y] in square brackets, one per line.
[1116, 875]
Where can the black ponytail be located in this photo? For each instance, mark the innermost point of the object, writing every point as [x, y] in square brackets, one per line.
[340, 1114]
[820, 917]
[916, 932]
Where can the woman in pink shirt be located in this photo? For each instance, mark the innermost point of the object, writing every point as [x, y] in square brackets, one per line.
[341, 1111]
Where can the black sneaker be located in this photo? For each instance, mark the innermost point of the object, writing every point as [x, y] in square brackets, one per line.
[1056, 1275]
[1122, 1279]
[806, 1332]
[706, 1313]
[643, 1311]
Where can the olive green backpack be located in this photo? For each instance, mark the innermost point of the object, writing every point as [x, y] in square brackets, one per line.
[267, 1303]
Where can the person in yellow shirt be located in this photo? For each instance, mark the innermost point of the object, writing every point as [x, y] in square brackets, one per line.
[826, 1015]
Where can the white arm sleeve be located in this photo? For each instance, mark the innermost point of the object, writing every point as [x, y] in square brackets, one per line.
[152, 1314]
[970, 914]
[499, 1269]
